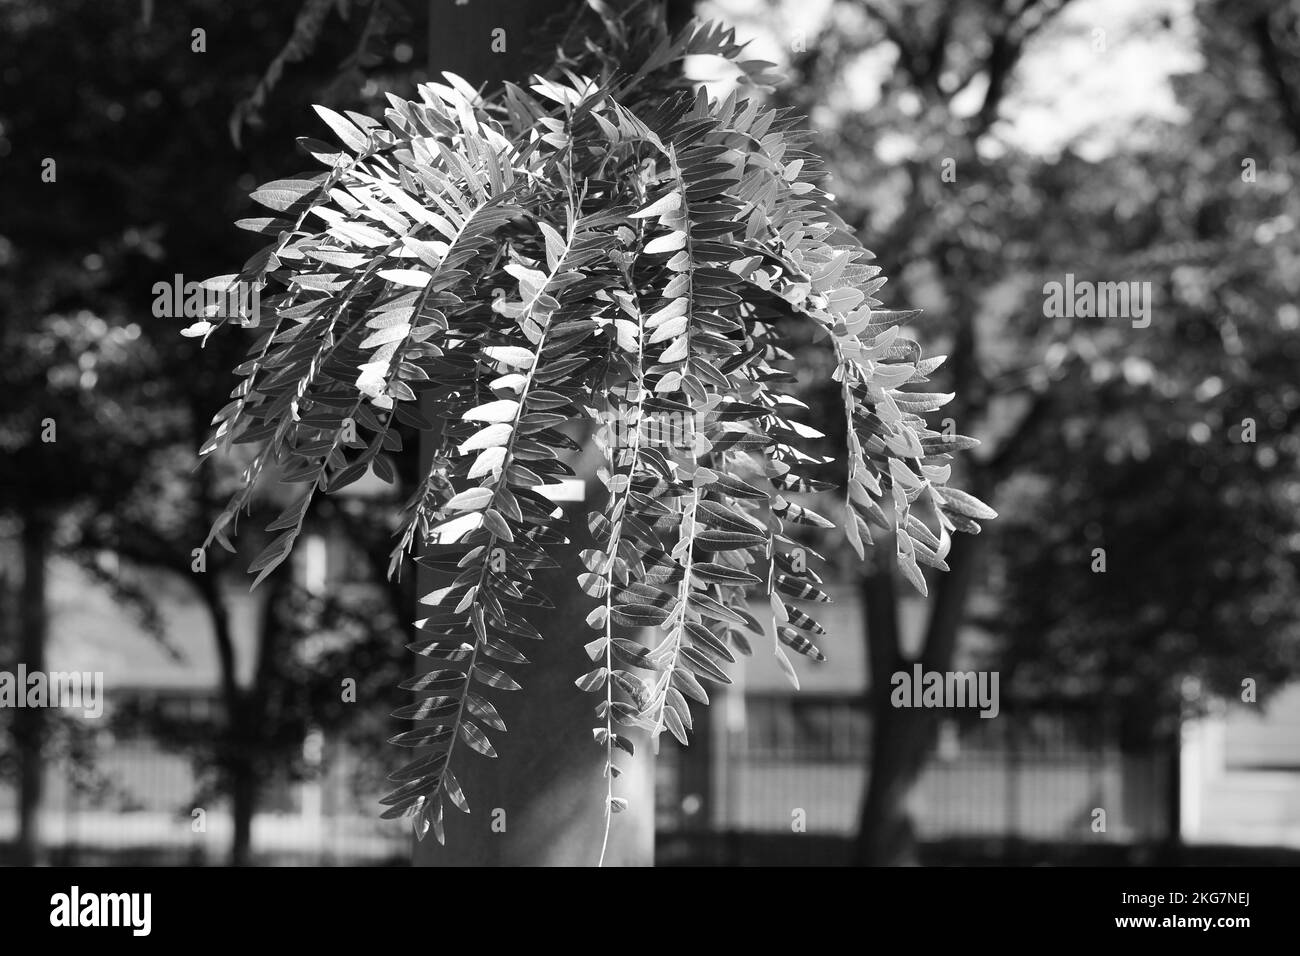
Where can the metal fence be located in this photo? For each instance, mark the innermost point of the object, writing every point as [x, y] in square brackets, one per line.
[799, 764]
[760, 765]
[137, 803]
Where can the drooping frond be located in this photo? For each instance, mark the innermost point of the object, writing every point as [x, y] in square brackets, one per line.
[487, 268]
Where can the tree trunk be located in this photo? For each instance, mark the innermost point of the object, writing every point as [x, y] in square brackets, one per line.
[1174, 791]
[541, 802]
[247, 749]
[29, 722]
[243, 804]
[235, 747]
[903, 738]
[900, 748]
[884, 834]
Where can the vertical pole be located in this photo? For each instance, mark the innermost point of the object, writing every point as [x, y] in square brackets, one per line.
[29, 722]
[1015, 822]
[541, 802]
[1174, 789]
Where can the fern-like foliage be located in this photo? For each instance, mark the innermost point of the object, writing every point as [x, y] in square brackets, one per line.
[487, 267]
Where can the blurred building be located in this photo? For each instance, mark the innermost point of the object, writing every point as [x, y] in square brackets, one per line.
[120, 795]
[1035, 773]
[1241, 774]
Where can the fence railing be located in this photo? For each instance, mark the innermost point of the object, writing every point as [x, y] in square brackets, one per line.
[138, 804]
[800, 765]
[787, 765]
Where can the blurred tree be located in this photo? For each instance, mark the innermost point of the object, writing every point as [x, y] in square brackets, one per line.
[59, 443]
[1176, 450]
[941, 235]
[107, 166]
[1096, 433]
